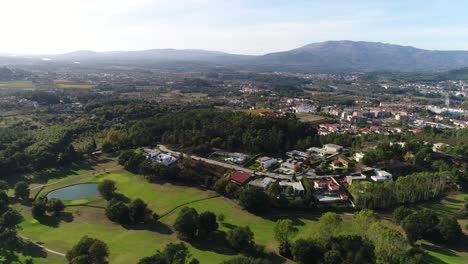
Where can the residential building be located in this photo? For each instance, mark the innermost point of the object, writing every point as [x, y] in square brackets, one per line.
[266, 162]
[241, 177]
[262, 183]
[382, 176]
[297, 187]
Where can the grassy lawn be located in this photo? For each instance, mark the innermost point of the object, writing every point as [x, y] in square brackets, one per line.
[129, 245]
[17, 85]
[448, 205]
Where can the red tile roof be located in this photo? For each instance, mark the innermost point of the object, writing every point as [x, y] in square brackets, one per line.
[241, 177]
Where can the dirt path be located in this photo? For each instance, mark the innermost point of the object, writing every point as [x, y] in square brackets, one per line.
[43, 247]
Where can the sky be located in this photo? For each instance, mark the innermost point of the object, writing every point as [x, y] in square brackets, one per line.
[235, 26]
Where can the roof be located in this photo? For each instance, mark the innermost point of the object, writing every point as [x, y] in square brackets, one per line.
[263, 159]
[241, 177]
[332, 146]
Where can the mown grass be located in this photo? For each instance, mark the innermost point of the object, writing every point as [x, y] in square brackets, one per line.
[448, 206]
[128, 245]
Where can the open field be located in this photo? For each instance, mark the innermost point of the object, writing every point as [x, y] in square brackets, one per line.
[449, 205]
[16, 85]
[66, 84]
[310, 117]
[129, 245]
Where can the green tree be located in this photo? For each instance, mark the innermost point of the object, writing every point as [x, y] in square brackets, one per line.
[400, 213]
[22, 190]
[449, 230]
[4, 186]
[364, 219]
[118, 212]
[138, 211]
[55, 206]
[88, 250]
[328, 225]
[353, 249]
[284, 230]
[107, 189]
[419, 224]
[389, 244]
[10, 218]
[207, 223]
[38, 208]
[254, 200]
[186, 223]
[306, 251]
[241, 239]
[171, 254]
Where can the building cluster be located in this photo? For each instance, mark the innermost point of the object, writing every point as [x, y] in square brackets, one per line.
[155, 156]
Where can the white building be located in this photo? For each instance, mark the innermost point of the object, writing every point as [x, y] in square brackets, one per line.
[262, 183]
[297, 187]
[359, 156]
[155, 156]
[266, 162]
[332, 148]
[382, 176]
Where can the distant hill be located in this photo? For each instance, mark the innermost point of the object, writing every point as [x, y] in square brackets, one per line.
[330, 56]
[367, 56]
[151, 55]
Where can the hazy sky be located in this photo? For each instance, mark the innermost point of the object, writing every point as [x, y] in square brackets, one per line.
[236, 26]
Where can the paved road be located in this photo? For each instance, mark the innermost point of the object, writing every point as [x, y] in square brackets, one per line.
[227, 165]
[43, 247]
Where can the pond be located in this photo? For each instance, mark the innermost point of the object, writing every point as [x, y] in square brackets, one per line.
[75, 192]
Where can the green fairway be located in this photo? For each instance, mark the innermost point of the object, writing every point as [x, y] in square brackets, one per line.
[129, 245]
[447, 206]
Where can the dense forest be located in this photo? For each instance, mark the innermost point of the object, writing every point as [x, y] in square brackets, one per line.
[199, 130]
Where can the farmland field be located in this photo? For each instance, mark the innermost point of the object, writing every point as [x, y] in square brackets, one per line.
[17, 85]
[66, 84]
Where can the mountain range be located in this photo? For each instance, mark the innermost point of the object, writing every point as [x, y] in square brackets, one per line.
[330, 56]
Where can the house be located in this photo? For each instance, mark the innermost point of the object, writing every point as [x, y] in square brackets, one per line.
[262, 183]
[337, 164]
[296, 154]
[165, 159]
[382, 176]
[155, 156]
[266, 162]
[344, 161]
[351, 178]
[289, 165]
[333, 187]
[237, 158]
[359, 156]
[241, 177]
[320, 184]
[332, 148]
[317, 151]
[438, 146]
[297, 187]
[340, 163]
